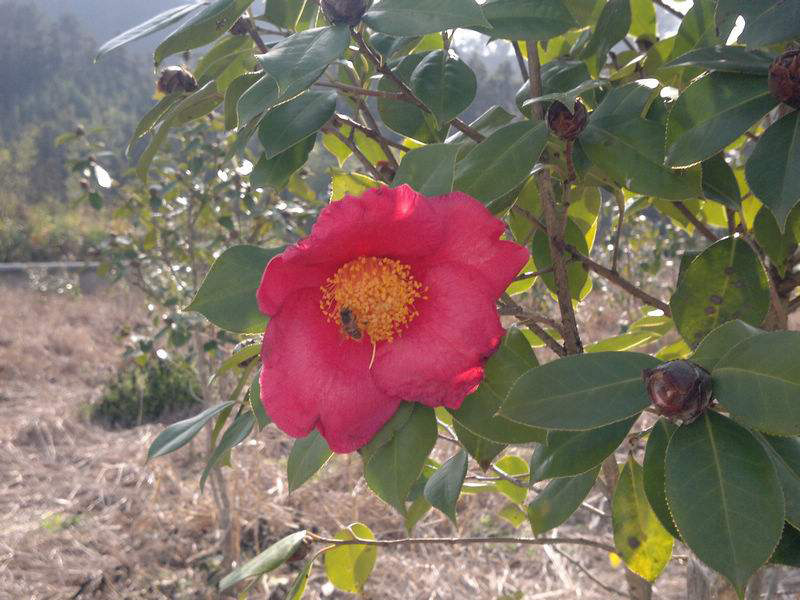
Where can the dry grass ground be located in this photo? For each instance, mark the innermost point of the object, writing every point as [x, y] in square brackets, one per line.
[82, 515]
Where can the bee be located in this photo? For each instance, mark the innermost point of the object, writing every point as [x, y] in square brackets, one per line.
[350, 324]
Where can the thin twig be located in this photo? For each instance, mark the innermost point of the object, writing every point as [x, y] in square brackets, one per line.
[379, 138]
[618, 234]
[701, 227]
[669, 9]
[523, 70]
[254, 35]
[359, 91]
[509, 478]
[340, 119]
[588, 574]
[467, 540]
[529, 274]
[356, 152]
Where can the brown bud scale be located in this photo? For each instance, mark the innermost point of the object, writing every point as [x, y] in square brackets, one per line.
[680, 390]
[565, 124]
[784, 78]
[348, 12]
[174, 79]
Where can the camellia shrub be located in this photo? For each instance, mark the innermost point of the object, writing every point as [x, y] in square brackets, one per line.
[382, 326]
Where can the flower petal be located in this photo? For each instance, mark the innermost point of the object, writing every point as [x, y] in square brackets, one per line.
[472, 238]
[439, 359]
[395, 223]
[314, 376]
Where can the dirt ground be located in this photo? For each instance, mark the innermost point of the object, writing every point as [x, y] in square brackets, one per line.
[83, 516]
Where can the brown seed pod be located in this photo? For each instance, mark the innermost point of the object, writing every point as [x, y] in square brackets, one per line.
[565, 124]
[385, 169]
[173, 79]
[344, 11]
[679, 389]
[784, 78]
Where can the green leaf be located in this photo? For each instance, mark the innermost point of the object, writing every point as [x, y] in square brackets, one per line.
[227, 296]
[203, 28]
[214, 62]
[777, 245]
[401, 116]
[788, 550]
[771, 170]
[478, 412]
[654, 473]
[643, 18]
[513, 514]
[195, 105]
[517, 467]
[239, 359]
[295, 120]
[758, 382]
[724, 495]
[429, 170]
[308, 455]
[153, 116]
[353, 184]
[569, 453]
[725, 282]
[233, 436]
[149, 153]
[291, 66]
[157, 23]
[730, 59]
[612, 26]
[299, 584]
[719, 341]
[233, 92]
[479, 448]
[416, 510]
[269, 560]
[445, 84]
[502, 161]
[778, 22]
[181, 433]
[254, 398]
[719, 182]
[444, 486]
[275, 172]
[559, 499]
[728, 10]
[624, 341]
[697, 29]
[577, 275]
[418, 17]
[785, 455]
[526, 19]
[639, 537]
[580, 392]
[349, 566]
[392, 469]
[712, 112]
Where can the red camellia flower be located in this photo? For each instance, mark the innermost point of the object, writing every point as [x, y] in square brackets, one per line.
[390, 299]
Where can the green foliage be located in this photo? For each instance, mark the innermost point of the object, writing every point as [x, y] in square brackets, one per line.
[158, 390]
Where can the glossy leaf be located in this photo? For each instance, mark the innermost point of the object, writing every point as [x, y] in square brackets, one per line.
[725, 282]
[655, 476]
[785, 455]
[569, 453]
[418, 17]
[724, 495]
[612, 26]
[778, 22]
[299, 584]
[731, 59]
[758, 382]
[526, 19]
[478, 412]
[269, 560]
[445, 84]
[153, 117]
[559, 499]
[788, 550]
[349, 566]
[195, 105]
[580, 392]
[517, 467]
[156, 23]
[353, 184]
[502, 161]
[181, 433]
[444, 487]
[308, 455]
[719, 182]
[233, 92]
[227, 296]
[720, 341]
[233, 436]
[293, 121]
[643, 18]
[712, 112]
[291, 66]
[392, 469]
[639, 537]
[429, 170]
[772, 169]
[577, 275]
[275, 172]
[203, 28]
[256, 406]
[777, 245]
[479, 448]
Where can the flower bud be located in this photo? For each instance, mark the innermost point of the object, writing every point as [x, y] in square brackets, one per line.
[240, 27]
[79, 131]
[173, 79]
[344, 11]
[784, 78]
[565, 124]
[679, 389]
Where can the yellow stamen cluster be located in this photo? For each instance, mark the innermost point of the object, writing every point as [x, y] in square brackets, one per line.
[379, 292]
